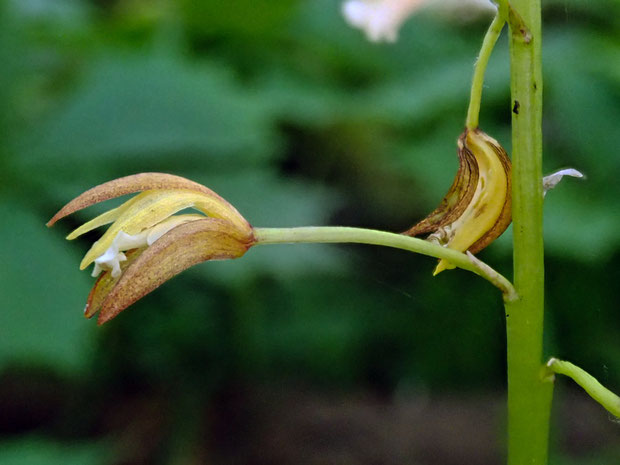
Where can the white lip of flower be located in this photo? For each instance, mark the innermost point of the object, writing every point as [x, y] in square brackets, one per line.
[111, 258]
[549, 182]
[380, 20]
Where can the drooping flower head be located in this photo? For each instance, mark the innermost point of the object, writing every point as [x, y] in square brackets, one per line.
[148, 242]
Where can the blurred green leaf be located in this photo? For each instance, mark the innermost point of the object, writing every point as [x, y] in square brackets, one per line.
[137, 111]
[237, 17]
[42, 297]
[578, 226]
[67, 14]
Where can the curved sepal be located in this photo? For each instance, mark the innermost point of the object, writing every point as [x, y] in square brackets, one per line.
[177, 250]
[130, 185]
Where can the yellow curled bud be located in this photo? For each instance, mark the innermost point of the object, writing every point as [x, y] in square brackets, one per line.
[477, 208]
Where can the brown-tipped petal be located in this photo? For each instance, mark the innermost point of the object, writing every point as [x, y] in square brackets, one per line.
[456, 200]
[129, 185]
[177, 250]
[105, 283]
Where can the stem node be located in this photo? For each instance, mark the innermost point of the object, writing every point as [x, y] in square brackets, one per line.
[518, 27]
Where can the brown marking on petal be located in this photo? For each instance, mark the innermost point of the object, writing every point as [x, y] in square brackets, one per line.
[458, 197]
[481, 209]
[129, 185]
[505, 217]
[180, 248]
[105, 283]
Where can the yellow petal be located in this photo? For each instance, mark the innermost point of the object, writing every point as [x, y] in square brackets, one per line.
[179, 249]
[129, 185]
[488, 213]
[101, 220]
[151, 207]
[443, 265]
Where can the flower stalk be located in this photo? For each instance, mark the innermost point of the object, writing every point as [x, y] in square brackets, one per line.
[341, 234]
[529, 391]
[473, 112]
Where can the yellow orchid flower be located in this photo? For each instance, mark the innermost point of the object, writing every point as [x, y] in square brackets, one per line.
[147, 243]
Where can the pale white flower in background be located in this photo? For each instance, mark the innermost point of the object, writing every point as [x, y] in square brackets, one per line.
[381, 19]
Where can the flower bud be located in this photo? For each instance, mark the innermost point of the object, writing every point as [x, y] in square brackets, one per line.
[477, 208]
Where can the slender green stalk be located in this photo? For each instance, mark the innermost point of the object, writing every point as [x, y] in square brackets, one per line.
[529, 392]
[340, 234]
[609, 400]
[488, 43]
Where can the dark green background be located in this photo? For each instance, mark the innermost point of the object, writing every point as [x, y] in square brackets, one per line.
[293, 354]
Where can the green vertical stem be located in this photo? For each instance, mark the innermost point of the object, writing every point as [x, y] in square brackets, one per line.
[529, 393]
